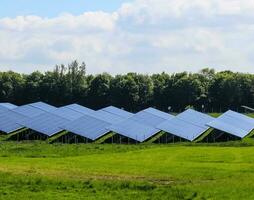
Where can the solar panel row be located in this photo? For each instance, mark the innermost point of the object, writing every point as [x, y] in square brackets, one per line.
[49, 120]
[52, 122]
[233, 123]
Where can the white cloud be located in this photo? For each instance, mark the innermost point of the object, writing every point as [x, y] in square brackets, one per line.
[145, 36]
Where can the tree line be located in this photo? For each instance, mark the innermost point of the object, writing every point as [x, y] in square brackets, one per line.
[206, 90]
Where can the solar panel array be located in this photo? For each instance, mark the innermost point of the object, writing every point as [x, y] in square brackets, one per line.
[49, 120]
[188, 125]
[233, 123]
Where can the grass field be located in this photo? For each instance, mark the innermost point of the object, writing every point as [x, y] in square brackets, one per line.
[36, 170]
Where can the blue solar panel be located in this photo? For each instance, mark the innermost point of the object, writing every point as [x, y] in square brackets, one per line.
[240, 117]
[46, 123]
[9, 121]
[147, 118]
[80, 108]
[107, 117]
[134, 130]
[118, 111]
[233, 123]
[196, 118]
[43, 106]
[28, 111]
[3, 109]
[181, 129]
[89, 127]
[67, 113]
[159, 113]
[9, 106]
[225, 127]
[236, 122]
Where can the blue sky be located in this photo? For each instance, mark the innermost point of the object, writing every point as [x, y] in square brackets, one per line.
[52, 8]
[119, 36]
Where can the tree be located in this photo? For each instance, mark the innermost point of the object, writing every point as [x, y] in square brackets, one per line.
[11, 87]
[124, 92]
[70, 84]
[98, 93]
[32, 87]
[161, 82]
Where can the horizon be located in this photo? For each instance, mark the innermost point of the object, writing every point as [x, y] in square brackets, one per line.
[124, 36]
[125, 73]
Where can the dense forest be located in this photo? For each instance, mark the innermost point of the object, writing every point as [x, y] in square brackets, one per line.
[206, 90]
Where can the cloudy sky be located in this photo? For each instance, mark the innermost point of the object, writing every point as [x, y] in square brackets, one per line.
[119, 36]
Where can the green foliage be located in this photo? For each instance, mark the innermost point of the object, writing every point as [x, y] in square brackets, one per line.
[205, 91]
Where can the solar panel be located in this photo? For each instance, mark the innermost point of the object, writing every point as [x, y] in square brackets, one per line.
[80, 108]
[9, 106]
[182, 129]
[233, 123]
[67, 113]
[46, 123]
[28, 111]
[89, 127]
[239, 116]
[43, 106]
[147, 118]
[245, 125]
[117, 111]
[3, 109]
[159, 113]
[134, 130]
[107, 117]
[196, 118]
[225, 127]
[9, 121]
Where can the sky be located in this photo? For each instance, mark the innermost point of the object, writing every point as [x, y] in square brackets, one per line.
[120, 36]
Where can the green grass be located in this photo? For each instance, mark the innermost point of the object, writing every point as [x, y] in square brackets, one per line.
[34, 170]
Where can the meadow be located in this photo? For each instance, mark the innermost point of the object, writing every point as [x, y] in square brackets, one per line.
[37, 170]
